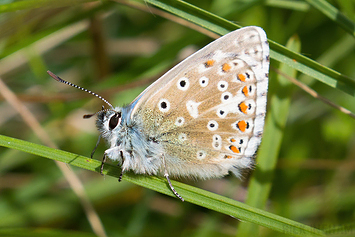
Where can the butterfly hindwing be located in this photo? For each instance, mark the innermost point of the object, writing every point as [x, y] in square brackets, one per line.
[209, 110]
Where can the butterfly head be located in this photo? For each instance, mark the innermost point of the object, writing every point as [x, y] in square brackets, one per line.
[108, 121]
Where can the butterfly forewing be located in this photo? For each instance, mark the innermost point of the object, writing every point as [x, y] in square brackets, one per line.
[209, 110]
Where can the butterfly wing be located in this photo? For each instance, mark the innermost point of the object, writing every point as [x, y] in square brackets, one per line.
[208, 111]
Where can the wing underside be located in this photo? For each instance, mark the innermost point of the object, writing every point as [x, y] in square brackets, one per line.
[209, 110]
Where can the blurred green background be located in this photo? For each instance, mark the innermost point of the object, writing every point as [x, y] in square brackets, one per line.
[117, 49]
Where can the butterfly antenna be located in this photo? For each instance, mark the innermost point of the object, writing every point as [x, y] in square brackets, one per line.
[55, 77]
[86, 116]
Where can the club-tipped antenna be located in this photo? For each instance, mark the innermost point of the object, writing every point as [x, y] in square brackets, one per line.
[55, 77]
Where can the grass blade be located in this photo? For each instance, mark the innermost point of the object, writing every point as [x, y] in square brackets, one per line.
[191, 194]
[334, 14]
[278, 52]
[261, 181]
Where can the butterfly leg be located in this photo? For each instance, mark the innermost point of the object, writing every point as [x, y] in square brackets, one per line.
[166, 175]
[122, 171]
[97, 144]
[102, 164]
[120, 178]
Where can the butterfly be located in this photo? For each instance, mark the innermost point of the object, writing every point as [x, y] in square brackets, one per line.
[203, 119]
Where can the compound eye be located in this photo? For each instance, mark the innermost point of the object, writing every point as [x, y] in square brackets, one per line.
[114, 120]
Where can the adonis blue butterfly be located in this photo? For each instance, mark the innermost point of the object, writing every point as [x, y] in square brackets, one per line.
[203, 119]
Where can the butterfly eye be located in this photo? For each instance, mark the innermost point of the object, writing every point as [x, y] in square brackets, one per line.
[114, 120]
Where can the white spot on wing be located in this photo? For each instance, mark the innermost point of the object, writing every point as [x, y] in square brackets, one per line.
[182, 137]
[164, 105]
[217, 142]
[238, 64]
[203, 81]
[179, 121]
[222, 112]
[201, 154]
[183, 84]
[192, 108]
[222, 85]
[226, 96]
[212, 125]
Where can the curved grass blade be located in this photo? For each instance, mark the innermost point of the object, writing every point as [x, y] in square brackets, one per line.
[191, 194]
[278, 52]
[276, 118]
[334, 14]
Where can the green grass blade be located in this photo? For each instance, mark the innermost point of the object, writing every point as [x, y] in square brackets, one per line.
[261, 181]
[334, 14]
[191, 194]
[277, 52]
[292, 5]
[196, 15]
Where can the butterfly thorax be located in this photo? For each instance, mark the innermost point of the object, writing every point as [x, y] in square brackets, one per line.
[129, 145]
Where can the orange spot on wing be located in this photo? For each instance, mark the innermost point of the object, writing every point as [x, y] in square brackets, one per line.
[226, 67]
[241, 77]
[245, 91]
[234, 149]
[242, 125]
[209, 63]
[228, 157]
[243, 107]
[233, 140]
